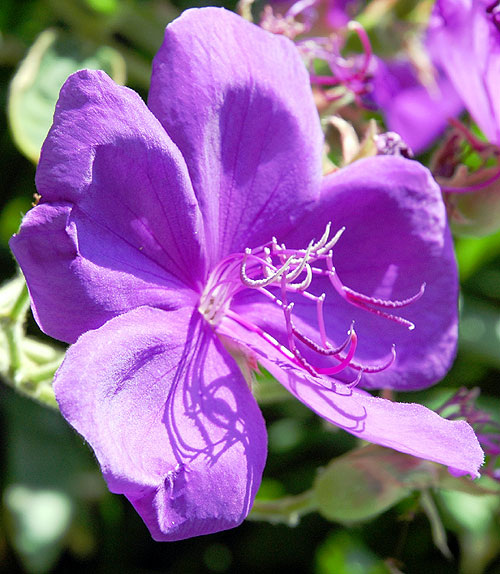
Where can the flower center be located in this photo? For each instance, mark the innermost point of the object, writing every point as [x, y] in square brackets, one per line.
[276, 272]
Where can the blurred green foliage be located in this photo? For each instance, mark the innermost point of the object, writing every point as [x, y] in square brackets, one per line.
[378, 513]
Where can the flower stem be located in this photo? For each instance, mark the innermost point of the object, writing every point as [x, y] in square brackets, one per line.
[287, 510]
[438, 531]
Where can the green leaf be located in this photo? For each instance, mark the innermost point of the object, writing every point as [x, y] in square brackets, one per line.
[104, 6]
[35, 87]
[11, 216]
[480, 330]
[474, 252]
[345, 553]
[368, 481]
[474, 518]
[49, 475]
[39, 520]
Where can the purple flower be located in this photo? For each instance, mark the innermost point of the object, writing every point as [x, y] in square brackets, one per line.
[418, 113]
[464, 36]
[152, 247]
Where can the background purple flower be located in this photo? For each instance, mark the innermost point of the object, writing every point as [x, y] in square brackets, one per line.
[143, 224]
[464, 36]
[418, 113]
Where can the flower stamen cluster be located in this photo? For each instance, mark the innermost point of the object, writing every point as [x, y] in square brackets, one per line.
[277, 272]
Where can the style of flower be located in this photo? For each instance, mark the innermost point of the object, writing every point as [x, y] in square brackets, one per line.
[170, 239]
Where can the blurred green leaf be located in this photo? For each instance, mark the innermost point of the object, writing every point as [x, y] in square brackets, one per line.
[346, 553]
[270, 489]
[369, 480]
[49, 476]
[473, 252]
[480, 330]
[475, 519]
[104, 6]
[11, 215]
[470, 511]
[267, 390]
[285, 434]
[40, 518]
[35, 87]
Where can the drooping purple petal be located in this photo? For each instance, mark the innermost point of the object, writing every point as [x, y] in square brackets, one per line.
[170, 418]
[464, 38]
[417, 113]
[237, 102]
[118, 224]
[396, 239]
[408, 428]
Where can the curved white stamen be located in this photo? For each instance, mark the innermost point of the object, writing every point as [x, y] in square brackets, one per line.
[304, 284]
[331, 244]
[323, 238]
[254, 283]
[302, 263]
[274, 266]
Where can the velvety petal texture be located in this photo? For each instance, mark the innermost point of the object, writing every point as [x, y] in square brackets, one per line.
[118, 225]
[170, 418]
[419, 114]
[396, 238]
[465, 40]
[80, 275]
[136, 254]
[409, 428]
[246, 125]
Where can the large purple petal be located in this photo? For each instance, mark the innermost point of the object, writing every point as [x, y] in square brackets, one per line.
[80, 274]
[465, 39]
[237, 102]
[408, 428]
[170, 418]
[396, 239]
[118, 216]
[418, 114]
